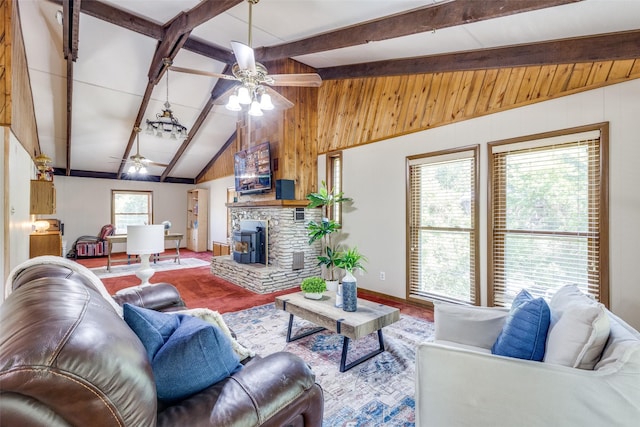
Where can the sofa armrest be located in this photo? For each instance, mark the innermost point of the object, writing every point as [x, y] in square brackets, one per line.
[468, 325]
[276, 390]
[159, 297]
[465, 388]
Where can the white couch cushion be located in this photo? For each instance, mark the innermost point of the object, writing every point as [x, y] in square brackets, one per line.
[579, 329]
[468, 325]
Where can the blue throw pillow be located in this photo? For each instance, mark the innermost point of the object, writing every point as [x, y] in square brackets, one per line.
[152, 327]
[525, 332]
[187, 354]
[196, 356]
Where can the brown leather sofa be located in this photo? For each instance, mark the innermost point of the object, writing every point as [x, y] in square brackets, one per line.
[68, 359]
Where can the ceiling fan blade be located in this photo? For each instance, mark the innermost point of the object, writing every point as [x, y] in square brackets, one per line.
[202, 73]
[244, 56]
[162, 165]
[118, 159]
[305, 80]
[279, 101]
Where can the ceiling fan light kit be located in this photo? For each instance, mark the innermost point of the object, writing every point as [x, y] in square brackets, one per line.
[254, 79]
[139, 162]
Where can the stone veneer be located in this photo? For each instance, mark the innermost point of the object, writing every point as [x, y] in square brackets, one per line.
[286, 236]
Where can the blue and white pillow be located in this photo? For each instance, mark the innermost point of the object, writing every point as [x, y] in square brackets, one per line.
[187, 354]
[524, 334]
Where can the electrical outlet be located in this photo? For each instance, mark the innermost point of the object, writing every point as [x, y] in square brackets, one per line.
[382, 275]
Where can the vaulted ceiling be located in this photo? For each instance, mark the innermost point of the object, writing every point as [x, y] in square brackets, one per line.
[103, 62]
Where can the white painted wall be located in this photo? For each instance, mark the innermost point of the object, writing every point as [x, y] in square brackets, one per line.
[84, 205]
[374, 176]
[218, 209]
[17, 177]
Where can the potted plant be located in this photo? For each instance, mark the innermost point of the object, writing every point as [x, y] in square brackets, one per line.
[350, 260]
[313, 287]
[324, 230]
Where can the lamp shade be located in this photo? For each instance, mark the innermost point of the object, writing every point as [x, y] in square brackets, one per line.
[145, 239]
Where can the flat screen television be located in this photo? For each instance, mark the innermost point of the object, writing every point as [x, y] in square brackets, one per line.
[252, 169]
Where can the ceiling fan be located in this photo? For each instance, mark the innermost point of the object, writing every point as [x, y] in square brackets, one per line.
[139, 163]
[255, 80]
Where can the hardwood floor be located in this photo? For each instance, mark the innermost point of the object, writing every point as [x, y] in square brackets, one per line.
[199, 288]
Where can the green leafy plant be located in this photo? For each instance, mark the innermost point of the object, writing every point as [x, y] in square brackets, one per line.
[313, 285]
[351, 260]
[324, 229]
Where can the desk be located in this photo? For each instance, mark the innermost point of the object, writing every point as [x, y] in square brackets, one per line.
[122, 238]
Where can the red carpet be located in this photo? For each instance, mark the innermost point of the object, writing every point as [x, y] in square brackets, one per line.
[199, 288]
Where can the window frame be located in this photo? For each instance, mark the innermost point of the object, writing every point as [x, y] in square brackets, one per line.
[602, 203]
[149, 214]
[474, 268]
[334, 166]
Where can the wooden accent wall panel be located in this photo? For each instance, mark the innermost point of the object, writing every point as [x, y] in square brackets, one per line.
[5, 63]
[292, 135]
[16, 102]
[353, 112]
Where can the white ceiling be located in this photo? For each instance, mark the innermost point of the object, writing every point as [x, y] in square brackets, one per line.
[110, 74]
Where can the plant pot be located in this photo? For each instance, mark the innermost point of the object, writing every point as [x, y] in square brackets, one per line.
[332, 285]
[349, 293]
[313, 295]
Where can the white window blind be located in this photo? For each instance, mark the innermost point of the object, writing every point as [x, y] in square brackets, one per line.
[442, 227]
[547, 205]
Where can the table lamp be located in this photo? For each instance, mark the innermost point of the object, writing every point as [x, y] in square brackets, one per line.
[144, 240]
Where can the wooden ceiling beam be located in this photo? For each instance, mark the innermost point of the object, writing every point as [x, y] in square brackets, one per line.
[604, 47]
[428, 18]
[70, 36]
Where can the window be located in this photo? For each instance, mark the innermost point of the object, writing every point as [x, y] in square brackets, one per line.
[442, 226]
[130, 208]
[548, 224]
[334, 182]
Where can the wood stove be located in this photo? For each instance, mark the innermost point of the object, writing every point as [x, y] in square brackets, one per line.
[249, 244]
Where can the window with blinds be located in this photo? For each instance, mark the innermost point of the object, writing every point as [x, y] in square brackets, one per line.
[130, 208]
[334, 182]
[548, 215]
[442, 227]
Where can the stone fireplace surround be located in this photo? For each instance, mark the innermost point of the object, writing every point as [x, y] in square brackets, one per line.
[287, 245]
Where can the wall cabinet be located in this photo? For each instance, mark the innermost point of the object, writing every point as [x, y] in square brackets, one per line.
[48, 243]
[197, 219]
[43, 197]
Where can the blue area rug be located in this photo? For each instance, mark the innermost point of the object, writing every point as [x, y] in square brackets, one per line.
[378, 392]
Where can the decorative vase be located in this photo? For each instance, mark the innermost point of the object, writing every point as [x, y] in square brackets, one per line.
[313, 295]
[332, 285]
[339, 296]
[349, 292]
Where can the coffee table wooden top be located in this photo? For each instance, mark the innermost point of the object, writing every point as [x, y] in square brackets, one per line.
[370, 316]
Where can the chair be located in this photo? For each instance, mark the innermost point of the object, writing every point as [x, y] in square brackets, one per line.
[92, 246]
[459, 382]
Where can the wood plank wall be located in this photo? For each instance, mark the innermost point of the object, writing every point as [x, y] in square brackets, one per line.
[353, 112]
[5, 63]
[292, 135]
[16, 104]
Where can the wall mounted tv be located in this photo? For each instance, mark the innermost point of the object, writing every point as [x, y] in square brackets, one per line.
[252, 169]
